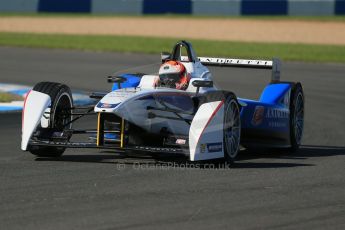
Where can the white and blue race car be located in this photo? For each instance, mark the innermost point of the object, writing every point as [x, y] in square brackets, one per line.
[200, 121]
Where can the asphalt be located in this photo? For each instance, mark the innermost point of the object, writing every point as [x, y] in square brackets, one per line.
[91, 189]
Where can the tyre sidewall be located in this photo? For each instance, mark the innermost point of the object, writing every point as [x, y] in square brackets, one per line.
[231, 98]
[63, 92]
[295, 92]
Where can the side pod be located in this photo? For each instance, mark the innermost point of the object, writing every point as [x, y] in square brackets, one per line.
[34, 106]
[206, 132]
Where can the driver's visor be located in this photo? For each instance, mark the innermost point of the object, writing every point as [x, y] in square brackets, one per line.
[175, 77]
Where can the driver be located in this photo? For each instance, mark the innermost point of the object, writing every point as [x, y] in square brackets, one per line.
[173, 74]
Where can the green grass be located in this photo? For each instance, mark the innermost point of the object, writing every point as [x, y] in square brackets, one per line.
[133, 44]
[7, 97]
[263, 17]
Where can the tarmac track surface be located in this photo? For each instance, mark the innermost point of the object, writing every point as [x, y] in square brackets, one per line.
[89, 189]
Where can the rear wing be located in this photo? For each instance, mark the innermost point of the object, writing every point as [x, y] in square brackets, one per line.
[274, 64]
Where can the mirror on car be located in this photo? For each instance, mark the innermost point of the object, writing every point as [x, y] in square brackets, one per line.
[199, 83]
[116, 79]
[165, 56]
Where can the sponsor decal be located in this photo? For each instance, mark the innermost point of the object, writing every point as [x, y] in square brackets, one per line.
[202, 148]
[258, 115]
[236, 61]
[105, 105]
[277, 113]
[180, 141]
[121, 94]
[277, 124]
[214, 147]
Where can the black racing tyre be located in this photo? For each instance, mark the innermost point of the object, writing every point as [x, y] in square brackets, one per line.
[296, 116]
[232, 122]
[61, 103]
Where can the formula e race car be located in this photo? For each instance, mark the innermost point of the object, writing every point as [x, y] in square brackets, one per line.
[146, 114]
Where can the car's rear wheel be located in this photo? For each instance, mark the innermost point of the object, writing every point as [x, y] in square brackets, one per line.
[60, 116]
[231, 128]
[296, 116]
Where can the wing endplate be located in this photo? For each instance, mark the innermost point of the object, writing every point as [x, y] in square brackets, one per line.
[34, 107]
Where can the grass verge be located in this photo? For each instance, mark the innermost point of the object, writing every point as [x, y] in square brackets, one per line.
[136, 44]
[8, 97]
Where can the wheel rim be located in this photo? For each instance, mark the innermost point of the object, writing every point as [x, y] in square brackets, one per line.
[62, 115]
[232, 129]
[299, 118]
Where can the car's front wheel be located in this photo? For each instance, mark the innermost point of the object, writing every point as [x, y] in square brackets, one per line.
[59, 117]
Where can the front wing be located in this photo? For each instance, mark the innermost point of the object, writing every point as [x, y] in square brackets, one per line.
[206, 129]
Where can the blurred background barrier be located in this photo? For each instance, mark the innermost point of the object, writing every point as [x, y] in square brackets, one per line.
[195, 7]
